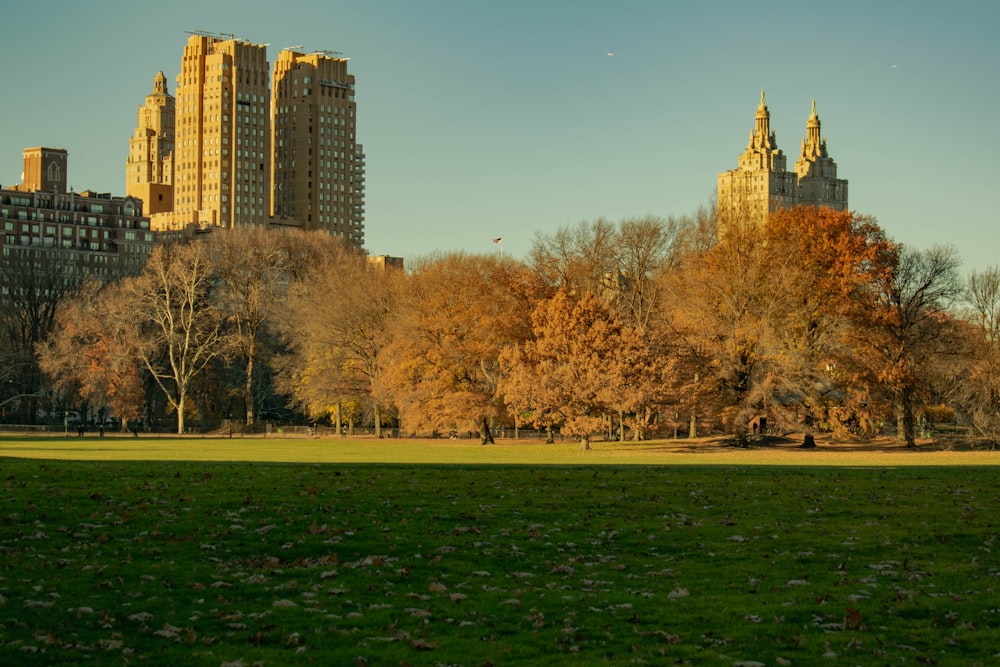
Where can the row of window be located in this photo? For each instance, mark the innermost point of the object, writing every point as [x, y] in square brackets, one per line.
[91, 221]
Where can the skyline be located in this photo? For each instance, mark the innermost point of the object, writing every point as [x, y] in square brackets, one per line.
[510, 119]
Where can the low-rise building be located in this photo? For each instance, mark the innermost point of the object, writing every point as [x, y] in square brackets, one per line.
[87, 233]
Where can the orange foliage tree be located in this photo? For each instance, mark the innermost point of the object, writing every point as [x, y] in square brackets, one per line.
[834, 256]
[87, 356]
[580, 367]
[762, 316]
[457, 312]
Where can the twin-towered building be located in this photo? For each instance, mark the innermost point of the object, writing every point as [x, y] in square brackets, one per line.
[242, 146]
[761, 184]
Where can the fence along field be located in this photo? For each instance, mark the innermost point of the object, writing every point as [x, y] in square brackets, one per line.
[240, 563]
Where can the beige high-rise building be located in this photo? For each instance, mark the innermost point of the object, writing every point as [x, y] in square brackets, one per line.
[225, 153]
[222, 163]
[318, 167]
[150, 169]
[761, 185]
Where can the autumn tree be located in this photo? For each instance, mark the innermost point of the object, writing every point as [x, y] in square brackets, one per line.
[170, 315]
[621, 263]
[580, 366]
[336, 324]
[87, 356]
[905, 327]
[762, 316]
[833, 258]
[457, 312]
[725, 303]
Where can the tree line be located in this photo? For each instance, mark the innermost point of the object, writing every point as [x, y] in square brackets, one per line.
[647, 327]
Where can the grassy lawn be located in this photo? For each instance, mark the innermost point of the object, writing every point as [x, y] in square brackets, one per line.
[283, 553]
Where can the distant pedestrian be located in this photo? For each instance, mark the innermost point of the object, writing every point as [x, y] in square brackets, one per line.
[102, 429]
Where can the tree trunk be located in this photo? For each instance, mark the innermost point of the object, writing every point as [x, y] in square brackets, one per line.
[378, 422]
[485, 435]
[248, 390]
[905, 427]
[180, 412]
[340, 423]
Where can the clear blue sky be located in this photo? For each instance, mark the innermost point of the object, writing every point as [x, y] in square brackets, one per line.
[508, 118]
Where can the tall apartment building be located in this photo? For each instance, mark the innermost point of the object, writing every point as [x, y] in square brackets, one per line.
[222, 156]
[318, 165]
[149, 172]
[761, 185]
[243, 158]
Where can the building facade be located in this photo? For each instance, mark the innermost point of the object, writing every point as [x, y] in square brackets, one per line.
[45, 170]
[761, 184]
[78, 234]
[149, 173]
[318, 164]
[242, 157]
[222, 164]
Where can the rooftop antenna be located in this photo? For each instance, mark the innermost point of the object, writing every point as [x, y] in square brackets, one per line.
[216, 35]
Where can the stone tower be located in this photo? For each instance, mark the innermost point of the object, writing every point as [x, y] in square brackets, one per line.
[150, 169]
[817, 172]
[45, 170]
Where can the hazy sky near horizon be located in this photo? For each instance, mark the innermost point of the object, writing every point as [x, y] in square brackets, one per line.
[512, 118]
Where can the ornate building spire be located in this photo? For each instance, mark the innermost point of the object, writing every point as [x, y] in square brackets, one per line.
[160, 84]
[762, 136]
[813, 146]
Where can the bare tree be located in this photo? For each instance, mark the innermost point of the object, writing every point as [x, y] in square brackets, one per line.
[978, 387]
[33, 288]
[252, 266]
[171, 317]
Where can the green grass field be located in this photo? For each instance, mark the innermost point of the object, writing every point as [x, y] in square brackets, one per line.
[243, 552]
